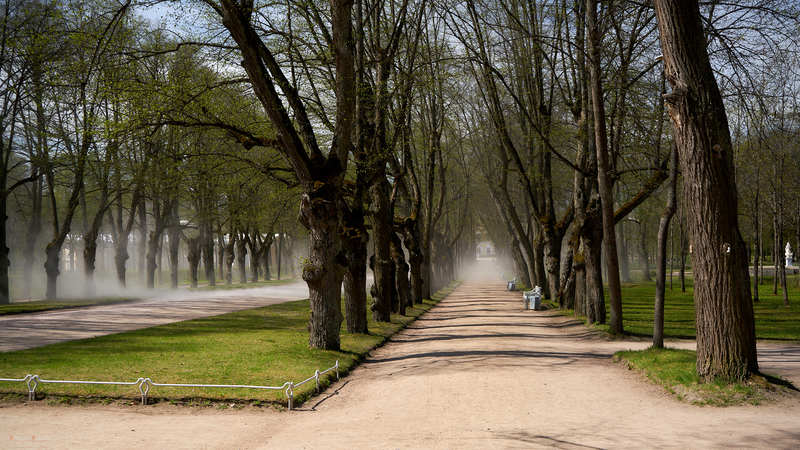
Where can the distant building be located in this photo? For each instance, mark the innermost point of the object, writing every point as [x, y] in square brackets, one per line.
[485, 249]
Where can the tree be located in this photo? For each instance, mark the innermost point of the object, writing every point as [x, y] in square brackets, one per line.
[321, 176]
[726, 345]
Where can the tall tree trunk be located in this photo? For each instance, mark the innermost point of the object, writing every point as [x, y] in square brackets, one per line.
[32, 238]
[278, 255]
[207, 237]
[661, 261]
[355, 282]
[756, 240]
[90, 242]
[5, 262]
[411, 241]
[355, 278]
[538, 257]
[383, 270]
[592, 252]
[401, 276]
[51, 268]
[726, 346]
[266, 250]
[142, 249]
[643, 253]
[552, 261]
[152, 250]
[221, 253]
[603, 179]
[254, 244]
[193, 256]
[121, 257]
[683, 244]
[624, 260]
[241, 254]
[425, 267]
[776, 253]
[230, 257]
[89, 259]
[320, 213]
[780, 268]
[174, 240]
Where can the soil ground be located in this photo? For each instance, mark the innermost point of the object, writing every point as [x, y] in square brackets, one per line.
[476, 371]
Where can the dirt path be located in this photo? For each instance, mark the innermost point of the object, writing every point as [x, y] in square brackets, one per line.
[475, 372]
[21, 331]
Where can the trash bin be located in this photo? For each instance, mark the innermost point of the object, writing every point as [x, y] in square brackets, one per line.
[535, 302]
[533, 299]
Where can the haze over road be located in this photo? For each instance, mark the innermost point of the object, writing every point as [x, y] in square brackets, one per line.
[23, 331]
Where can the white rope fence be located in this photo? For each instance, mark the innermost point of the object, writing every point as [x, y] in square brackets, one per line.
[144, 385]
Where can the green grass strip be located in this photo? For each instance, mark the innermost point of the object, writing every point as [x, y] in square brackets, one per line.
[772, 319]
[675, 371]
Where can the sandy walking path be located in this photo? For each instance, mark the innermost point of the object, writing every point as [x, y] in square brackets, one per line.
[21, 331]
[474, 372]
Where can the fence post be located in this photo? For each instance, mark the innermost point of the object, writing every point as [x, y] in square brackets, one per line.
[32, 381]
[290, 395]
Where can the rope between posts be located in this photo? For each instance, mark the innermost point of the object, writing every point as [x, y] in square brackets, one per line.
[144, 384]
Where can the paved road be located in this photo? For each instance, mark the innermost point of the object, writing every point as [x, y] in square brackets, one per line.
[23, 331]
[474, 372]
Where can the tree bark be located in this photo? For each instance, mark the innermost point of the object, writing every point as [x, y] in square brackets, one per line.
[411, 241]
[383, 270]
[603, 179]
[193, 256]
[207, 237]
[266, 250]
[174, 240]
[661, 261]
[5, 262]
[51, 268]
[254, 245]
[241, 254]
[726, 346]
[32, 238]
[401, 275]
[683, 244]
[756, 239]
[278, 254]
[230, 257]
[643, 253]
[142, 248]
[324, 270]
[221, 254]
[355, 278]
[624, 260]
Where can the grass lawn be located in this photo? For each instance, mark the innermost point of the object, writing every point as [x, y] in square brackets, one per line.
[44, 305]
[773, 320]
[675, 371]
[222, 286]
[263, 346]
